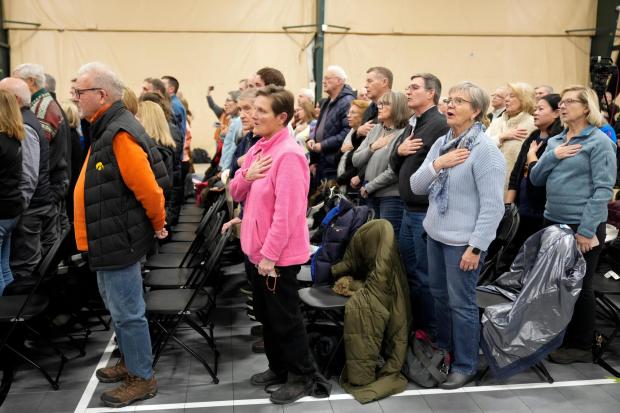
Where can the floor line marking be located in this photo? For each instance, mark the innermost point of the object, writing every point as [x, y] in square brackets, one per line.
[421, 392]
[93, 382]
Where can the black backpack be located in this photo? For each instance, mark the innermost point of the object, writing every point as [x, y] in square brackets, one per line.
[426, 365]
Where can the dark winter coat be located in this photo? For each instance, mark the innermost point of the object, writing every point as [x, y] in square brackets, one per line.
[336, 129]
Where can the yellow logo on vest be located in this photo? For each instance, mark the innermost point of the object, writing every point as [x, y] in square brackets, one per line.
[99, 166]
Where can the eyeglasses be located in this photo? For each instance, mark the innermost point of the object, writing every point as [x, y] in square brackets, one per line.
[567, 102]
[456, 101]
[381, 105]
[79, 92]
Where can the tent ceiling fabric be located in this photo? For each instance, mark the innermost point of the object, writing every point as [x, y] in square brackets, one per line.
[214, 42]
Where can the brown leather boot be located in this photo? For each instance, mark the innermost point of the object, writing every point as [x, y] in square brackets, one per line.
[113, 374]
[132, 390]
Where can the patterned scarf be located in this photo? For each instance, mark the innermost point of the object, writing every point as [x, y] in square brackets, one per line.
[439, 188]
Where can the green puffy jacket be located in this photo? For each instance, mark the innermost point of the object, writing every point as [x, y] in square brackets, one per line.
[377, 317]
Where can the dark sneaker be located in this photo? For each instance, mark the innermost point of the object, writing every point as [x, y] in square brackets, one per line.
[294, 389]
[267, 378]
[258, 346]
[132, 390]
[113, 374]
[571, 355]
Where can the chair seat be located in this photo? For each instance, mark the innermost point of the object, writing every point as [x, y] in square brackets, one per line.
[605, 285]
[190, 218]
[322, 297]
[183, 236]
[192, 210]
[304, 275]
[186, 227]
[175, 247]
[10, 305]
[174, 301]
[486, 299]
[167, 277]
[165, 261]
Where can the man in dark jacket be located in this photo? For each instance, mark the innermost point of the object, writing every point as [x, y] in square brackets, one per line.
[55, 130]
[36, 227]
[119, 209]
[426, 126]
[332, 126]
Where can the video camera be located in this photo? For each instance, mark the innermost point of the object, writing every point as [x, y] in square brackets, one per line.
[601, 69]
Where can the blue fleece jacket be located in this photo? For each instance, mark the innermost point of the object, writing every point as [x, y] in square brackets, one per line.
[579, 187]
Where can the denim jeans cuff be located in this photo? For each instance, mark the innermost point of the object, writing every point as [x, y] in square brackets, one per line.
[464, 372]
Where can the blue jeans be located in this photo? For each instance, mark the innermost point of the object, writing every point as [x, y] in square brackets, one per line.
[123, 296]
[456, 310]
[6, 227]
[390, 208]
[413, 251]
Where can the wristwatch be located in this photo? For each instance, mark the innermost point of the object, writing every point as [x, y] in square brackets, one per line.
[475, 250]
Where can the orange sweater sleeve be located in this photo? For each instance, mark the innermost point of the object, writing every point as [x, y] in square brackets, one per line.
[138, 176]
[79, 214]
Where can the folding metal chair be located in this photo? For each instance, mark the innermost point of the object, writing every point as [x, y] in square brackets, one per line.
[17, 310]
[182, 277]
[506, 232]
[486, 299]
[325, 308]
[607, 295]
[167, 309]
[187, 259]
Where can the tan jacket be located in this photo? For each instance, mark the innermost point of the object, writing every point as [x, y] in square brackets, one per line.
[510, 149]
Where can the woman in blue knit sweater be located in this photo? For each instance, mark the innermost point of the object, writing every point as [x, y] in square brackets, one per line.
[463, 175]
[578, 170]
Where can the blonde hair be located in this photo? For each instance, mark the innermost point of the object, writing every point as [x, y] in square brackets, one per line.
[362, 104]
[152, 117]
[72, 112]
[589, 98]
[11, 120]
[525, 93]
[130, 100]
[308, 109]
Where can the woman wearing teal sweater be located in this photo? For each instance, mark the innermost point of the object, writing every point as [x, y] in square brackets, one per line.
[578, 170]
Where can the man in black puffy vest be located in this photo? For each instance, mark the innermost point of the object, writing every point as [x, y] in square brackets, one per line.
[118, 211]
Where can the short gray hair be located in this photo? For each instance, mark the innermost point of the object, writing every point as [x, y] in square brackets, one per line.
[479, 98]
[309, 93]
[31, 70]
[548, 88]
[337, 71]
[104, 78]
[50, 83]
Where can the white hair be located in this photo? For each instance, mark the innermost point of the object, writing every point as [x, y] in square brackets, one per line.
[309, 93]
[31, 70]
[337, 71]
[104, 78]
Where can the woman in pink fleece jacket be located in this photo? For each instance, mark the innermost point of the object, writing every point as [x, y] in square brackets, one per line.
[273, 184]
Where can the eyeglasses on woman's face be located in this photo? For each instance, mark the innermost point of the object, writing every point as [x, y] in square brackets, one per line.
[382, 105]
[456, 101]
[568, 102]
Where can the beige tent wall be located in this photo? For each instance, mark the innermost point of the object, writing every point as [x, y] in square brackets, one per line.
[204, 42]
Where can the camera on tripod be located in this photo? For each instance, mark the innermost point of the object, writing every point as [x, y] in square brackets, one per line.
[601, 69]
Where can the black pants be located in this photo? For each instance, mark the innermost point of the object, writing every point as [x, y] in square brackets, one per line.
[580, 331]
[286, 341]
